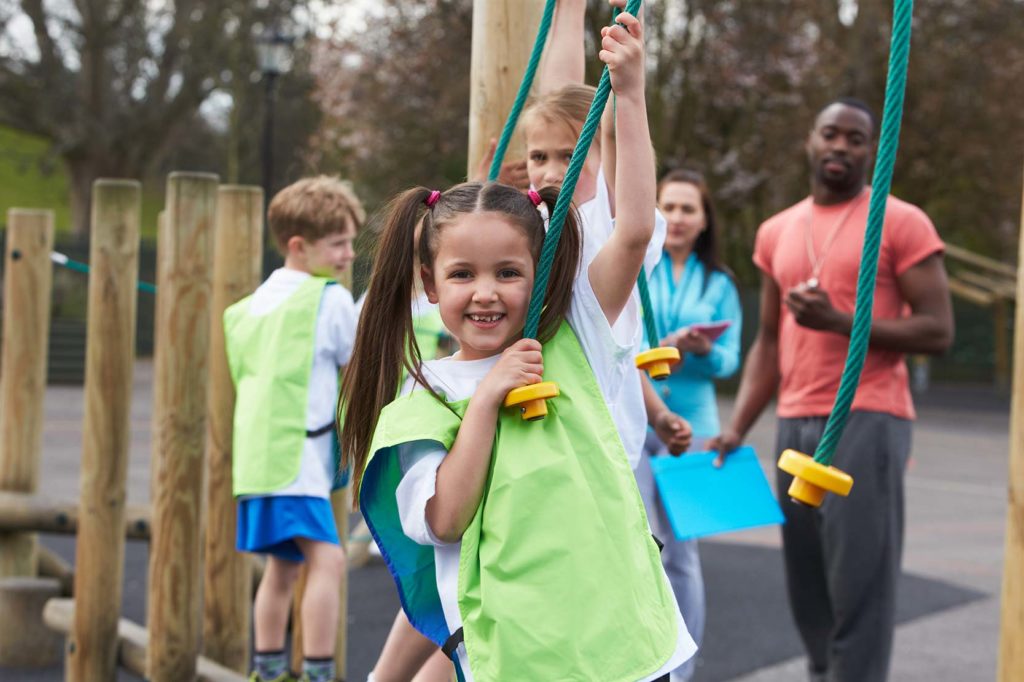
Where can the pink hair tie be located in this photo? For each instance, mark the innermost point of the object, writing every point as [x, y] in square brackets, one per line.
[535, 197]
[432, 198]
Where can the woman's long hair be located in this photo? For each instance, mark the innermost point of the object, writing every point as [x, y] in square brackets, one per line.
[385, 342]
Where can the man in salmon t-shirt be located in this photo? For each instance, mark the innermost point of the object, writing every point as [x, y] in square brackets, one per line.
[843, 560]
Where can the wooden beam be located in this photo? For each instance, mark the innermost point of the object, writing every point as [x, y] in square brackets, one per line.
[227, 574]
[1000, 286]
[106, 436]
[1011, 641]
[28, 279]
[28, 512]
[969, 292]
[180, 385]
[966, 256]
[132, 644]
[503, 32]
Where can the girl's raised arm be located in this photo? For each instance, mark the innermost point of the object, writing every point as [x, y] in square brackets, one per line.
[614, 270]
[563, 62]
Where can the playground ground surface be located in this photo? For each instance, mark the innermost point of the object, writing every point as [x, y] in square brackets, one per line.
[949, 599]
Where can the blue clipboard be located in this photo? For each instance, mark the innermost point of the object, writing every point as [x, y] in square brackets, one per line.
[701, 500]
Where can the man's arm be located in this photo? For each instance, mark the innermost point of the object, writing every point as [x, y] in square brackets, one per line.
[760, 374]
[928, 329]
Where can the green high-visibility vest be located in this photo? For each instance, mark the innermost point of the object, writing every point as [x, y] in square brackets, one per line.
[271, 357]
[559, 577]
[428, 328]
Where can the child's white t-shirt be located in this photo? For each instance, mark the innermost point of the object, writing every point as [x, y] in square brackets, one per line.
[627, 405]
[611, 359]
[335, 335]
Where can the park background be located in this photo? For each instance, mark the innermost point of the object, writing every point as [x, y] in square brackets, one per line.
[378, 93]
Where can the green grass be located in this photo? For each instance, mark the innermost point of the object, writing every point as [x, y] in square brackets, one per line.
[32, 177]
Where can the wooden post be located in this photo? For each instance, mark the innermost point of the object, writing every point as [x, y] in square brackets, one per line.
[109, 367]
[28, 279]
[238, 260]
[158, 334]
[1001, 342]
[341, 501]
[25, 641]
[1011, 643]
[174, 587]
[503, 34]
[133, 644]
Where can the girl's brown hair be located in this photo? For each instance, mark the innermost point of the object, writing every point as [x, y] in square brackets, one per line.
[569, 105]
[385, 342]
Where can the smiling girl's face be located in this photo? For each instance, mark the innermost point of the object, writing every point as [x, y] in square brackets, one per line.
[481, 279]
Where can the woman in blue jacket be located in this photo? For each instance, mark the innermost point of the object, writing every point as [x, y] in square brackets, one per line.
[690, 287]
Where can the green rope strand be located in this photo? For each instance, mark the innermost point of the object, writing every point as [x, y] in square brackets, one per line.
[650, 324]
[888, 144]
[572, 175]
[524, 90]
[78, 266]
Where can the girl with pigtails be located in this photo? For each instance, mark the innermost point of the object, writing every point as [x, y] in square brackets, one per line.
[521, 548]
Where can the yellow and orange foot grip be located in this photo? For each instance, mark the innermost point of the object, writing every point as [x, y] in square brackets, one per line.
[657, 362]
[532, 399]
[811, 480]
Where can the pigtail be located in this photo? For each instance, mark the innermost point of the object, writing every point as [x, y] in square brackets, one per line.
[564, 268]
[385, 341]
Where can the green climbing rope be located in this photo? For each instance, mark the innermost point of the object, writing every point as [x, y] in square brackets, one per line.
[887, 146]
[572, 175]
[650, 323]
[62, 260]
[524, 90]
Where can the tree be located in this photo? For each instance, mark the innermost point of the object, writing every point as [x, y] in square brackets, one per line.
[395, 98]
[112, 82]
[733, 88]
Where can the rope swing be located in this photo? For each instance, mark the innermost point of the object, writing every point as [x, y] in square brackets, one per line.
[813, 477]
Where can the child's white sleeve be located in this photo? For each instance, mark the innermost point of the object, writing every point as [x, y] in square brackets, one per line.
[608, 349]
[657, 243]
[420, 461]
[342, 316]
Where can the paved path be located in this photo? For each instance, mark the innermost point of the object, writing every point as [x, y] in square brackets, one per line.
[949, 607]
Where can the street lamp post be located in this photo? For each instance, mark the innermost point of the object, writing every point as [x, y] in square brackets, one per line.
[274, 51]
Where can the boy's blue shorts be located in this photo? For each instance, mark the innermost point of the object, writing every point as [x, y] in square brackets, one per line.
[270, 524]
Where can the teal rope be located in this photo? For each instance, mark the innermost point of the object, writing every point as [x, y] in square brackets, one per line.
[888, 144]
[572, 176]
[650, 324]
[78, 266]
[524, 90]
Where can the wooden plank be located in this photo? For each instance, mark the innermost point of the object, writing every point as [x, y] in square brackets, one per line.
[1000, 286]
[34, 512]
[109, 369]
[133, 643]
[1011, 641]
[28, 280]
[969, 292]
[961, 254]
[238, 258]
[180, 392]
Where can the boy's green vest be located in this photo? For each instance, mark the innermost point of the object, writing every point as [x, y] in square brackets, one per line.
[559, 577]
[270, 357]
[428, 329]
